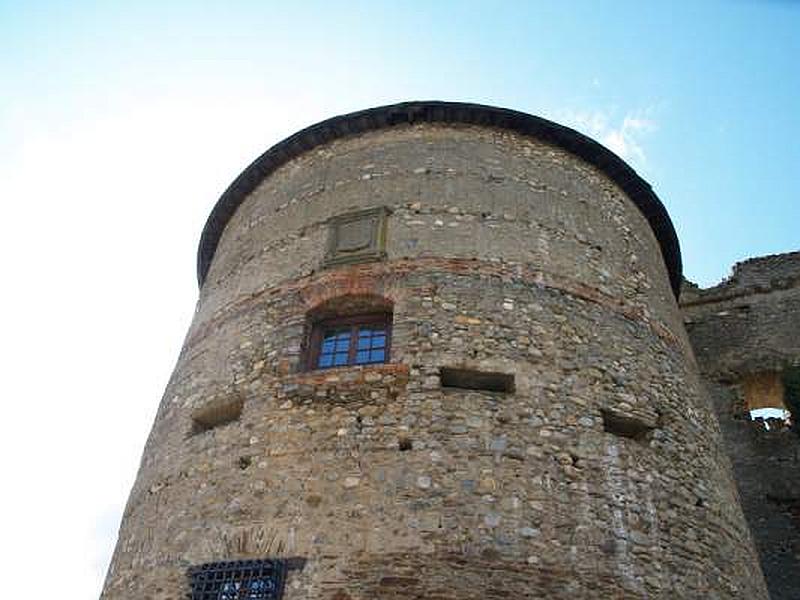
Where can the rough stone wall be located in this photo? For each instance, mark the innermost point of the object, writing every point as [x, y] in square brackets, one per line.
[748, 323]
[745, 327]
[504, 255]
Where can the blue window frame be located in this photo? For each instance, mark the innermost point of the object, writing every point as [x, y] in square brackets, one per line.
[359, 340]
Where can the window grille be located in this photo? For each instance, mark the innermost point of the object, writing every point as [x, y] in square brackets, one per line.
[238, 580]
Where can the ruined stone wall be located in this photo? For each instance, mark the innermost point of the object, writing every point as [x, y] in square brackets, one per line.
[746, 333]
[600, 475]
[748, 323]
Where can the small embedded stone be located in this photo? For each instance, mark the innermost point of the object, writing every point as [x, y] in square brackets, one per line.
[465, 320]
[423, 482]
[637, 537]
[498, 444]
[431, 382]
[492, 519]
[473, 421]
[534, 451]
[486, 485]
[351, 482]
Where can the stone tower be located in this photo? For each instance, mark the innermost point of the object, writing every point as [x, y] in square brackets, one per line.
[437, 354]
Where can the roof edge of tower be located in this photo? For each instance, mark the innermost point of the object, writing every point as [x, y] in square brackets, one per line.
[636, 188]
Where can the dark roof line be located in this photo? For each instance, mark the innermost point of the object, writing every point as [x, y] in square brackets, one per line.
[637, 189]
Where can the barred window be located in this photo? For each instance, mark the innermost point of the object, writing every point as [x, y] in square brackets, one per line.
[238, 580]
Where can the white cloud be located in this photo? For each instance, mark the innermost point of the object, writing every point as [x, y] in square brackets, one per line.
[624, 136]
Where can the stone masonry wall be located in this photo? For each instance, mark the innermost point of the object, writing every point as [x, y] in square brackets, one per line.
[750, 322]
[503, 255]
[746, 326]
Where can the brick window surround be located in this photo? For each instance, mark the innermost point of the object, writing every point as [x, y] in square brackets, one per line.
[350, 340]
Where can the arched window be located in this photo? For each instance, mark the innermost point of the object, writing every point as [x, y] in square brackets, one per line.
[352, 330]
[772, 398]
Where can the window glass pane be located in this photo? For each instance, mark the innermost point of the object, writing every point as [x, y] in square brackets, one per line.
[335, 340]
[353, 344]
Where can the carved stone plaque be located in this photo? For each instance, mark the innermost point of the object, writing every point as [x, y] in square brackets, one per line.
[357, 237]
[353, 236]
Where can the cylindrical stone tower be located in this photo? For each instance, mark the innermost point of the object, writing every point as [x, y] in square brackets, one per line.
[437, 355]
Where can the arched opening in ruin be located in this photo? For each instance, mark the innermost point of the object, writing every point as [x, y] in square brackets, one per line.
[772, 398]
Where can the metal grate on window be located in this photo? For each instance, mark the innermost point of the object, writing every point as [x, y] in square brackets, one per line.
[238, 580]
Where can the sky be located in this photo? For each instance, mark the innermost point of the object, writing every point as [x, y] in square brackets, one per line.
[122, 123]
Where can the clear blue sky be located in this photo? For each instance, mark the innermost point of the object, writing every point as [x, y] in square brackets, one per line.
[121, 123]
[715, 83]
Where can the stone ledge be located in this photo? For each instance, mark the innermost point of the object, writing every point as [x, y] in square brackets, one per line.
[345, 384]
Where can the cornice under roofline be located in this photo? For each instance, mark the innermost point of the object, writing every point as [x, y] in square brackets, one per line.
[637, 189]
